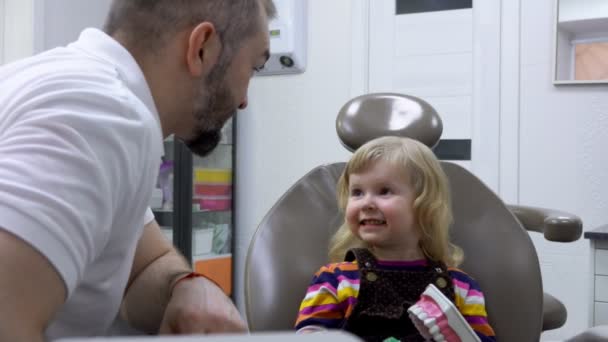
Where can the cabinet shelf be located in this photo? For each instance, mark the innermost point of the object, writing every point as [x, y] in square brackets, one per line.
[210, 256]
[170, 212]
[171, 140]
[165, 217]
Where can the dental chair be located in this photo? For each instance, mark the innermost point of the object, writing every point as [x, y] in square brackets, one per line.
[291, 242]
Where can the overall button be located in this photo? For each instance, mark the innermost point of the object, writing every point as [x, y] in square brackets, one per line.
[371, 276]
[441, 282]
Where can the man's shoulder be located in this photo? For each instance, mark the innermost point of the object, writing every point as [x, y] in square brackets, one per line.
[68, 65]
[73, 88]
[59, 78]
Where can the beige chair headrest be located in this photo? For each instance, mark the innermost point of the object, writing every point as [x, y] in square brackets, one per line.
[387, 114]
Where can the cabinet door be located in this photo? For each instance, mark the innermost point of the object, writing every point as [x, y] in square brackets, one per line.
[162, 196]
[601, 262]
[212, 212]
[601, 288]
[601, 313]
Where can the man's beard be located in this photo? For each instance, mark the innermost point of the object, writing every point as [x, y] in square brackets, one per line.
[205, 142]
[213, 109]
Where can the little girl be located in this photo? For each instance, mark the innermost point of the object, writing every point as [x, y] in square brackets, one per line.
[393, 244]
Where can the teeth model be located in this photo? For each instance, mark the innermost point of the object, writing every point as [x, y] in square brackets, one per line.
[442, 319]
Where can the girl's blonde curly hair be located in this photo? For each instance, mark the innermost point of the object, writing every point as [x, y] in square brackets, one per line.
[432, 206]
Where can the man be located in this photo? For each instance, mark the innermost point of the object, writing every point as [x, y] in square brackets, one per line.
[81, 131]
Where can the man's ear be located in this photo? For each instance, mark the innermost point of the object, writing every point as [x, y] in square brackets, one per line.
[204, 48]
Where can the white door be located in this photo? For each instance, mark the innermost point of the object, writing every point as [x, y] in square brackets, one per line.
[446, 52]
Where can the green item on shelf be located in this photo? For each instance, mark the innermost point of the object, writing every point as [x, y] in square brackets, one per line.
[391, 339]
[221, 237]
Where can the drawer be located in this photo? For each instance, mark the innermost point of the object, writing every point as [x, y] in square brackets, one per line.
[601, 288]
[600, 244]
[601, 313]
[601, 261]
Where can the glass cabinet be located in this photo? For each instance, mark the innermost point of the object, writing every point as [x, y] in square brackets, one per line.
[193, 204]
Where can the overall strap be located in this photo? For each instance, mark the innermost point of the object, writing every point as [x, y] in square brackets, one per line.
[443, 279]
[365, 258]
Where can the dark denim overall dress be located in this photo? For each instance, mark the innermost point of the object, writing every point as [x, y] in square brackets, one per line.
[385, 295]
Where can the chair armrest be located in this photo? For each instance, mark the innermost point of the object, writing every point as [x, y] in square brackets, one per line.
[594, 334]
[554, 312]
[556, 225]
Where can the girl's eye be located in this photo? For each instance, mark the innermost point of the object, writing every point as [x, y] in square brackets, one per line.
[356, 192]
[385, 191]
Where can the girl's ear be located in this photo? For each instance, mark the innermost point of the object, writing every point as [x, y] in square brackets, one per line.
[204, 48]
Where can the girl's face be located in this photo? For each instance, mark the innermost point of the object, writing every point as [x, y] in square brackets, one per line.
[380, 211]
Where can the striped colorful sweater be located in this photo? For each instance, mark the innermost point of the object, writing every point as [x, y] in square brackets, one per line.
[333, 292]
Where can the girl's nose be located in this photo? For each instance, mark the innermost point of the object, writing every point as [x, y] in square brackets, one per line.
[369, 203]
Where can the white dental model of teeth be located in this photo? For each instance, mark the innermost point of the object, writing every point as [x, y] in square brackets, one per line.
[442, 319]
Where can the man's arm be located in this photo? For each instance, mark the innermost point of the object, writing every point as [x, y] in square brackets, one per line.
[157, 264]
[154, 303]
[31, 290]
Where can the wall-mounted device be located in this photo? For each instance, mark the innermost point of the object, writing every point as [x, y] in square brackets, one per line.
[288, 38]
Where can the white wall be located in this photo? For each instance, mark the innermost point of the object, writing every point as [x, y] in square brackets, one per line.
[31, 26]
[570, 10]
[2, 20]
[563, 163]
[16, 29]
[53, 28]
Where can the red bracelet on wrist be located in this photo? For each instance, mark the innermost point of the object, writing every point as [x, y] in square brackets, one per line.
[187, 276]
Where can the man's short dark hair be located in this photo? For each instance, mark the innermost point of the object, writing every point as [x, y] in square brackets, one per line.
[147, 25]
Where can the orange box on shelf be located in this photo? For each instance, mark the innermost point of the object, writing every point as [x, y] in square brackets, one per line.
[212, 189]
[212, 176]
[219, 270]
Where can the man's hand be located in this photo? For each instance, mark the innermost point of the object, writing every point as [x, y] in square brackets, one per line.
[155, 303]
[198, 306]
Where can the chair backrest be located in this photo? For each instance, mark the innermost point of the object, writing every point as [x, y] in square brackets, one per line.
[291, 242]
[499, 254]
